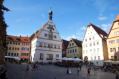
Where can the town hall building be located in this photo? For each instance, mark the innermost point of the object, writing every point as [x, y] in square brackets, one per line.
[46, 44]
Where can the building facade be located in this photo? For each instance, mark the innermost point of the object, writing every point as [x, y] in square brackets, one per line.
[94, 45]
[74, 49]
[113, 40]
[18, 46]
[25, 49]
[46, 44]
[64, 47]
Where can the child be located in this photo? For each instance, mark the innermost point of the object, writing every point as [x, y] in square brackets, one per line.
[77, 70]
[88, 72]
[27, 69]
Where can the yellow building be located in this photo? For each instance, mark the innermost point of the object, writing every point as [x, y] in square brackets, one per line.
[74, 49]
[113, 40]
[13, 45]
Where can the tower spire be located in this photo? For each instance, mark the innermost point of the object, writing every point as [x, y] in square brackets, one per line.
[50, 14]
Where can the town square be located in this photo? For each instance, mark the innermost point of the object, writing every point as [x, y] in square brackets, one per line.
[59, 39]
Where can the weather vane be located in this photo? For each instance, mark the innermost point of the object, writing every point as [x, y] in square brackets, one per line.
[50, 7]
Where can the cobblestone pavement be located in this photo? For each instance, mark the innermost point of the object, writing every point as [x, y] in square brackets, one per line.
[16, 71]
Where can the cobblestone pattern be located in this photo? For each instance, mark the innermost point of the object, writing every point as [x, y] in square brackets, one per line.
[16, 71]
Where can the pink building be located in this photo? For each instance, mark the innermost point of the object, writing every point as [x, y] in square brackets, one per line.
[25, 49]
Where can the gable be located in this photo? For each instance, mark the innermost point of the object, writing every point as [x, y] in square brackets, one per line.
[114, 31]
[71, 44]
[90, 33]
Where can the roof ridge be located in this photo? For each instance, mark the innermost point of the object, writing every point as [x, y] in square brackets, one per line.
[117, 18]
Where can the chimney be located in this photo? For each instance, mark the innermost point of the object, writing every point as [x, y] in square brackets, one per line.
[27, 36]
[20, 35]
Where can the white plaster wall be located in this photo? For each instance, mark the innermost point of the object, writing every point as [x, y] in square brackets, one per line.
[37, 56]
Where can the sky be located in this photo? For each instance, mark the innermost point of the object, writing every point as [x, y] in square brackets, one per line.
[71, 17]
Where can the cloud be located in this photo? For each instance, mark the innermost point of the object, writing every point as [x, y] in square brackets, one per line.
[70, 27]
[75, 37]
[83, 28]
[43, 15]
[102, 18]
[23, 19]
[106, 27]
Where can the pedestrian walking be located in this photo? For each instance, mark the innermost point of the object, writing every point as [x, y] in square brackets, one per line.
[80, 66]
[77, 70]
[88, 72]
[94, 68]
[27, 69]
[4, 75]
[34, 66]
[39, 66]
[86, 65]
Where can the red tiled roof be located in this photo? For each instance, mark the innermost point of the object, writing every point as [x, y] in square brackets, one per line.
[78, 42]
[65, 43]
[38, 32]
[98, 30]
[117, 18]
[17, 38]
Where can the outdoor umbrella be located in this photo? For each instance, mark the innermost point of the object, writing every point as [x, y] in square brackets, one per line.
[77, 59]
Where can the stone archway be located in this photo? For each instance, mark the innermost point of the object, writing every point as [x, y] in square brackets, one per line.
[86, 59]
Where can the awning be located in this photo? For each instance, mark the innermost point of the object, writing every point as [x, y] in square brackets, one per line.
[69, 59]
[15, 57]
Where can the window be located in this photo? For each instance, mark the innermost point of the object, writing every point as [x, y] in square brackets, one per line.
[17, 54]
[45, 35]
[57, 55]
[45, 45]
[10, 42]
[54, 46]
[70, 51]
[95, 57]
[63, 52]
[90, 50]
[12, 48]
[9, 48]
[17, 48]
[94, 44]
[93, 38]
[18, 43]
[98, 57]
[49, 56]
[24, 54]
[116, 33]
[110, 49]
[71, 40]
[97, 49]
[23, 48]
[8, 54]
[58, 47]
[28, 44]
[13, 42]
[112, 42]
[114, 49]
[41, 56]
[40, 44]
[90, 44]
[11, 54]
[22, 43]
[72, 44]
[89, 38]
[14, 54]
[54, 36]
[75, 50]
[97, 43]
[85, 39]
[117, 40]
[112, 57]
[94, 50]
